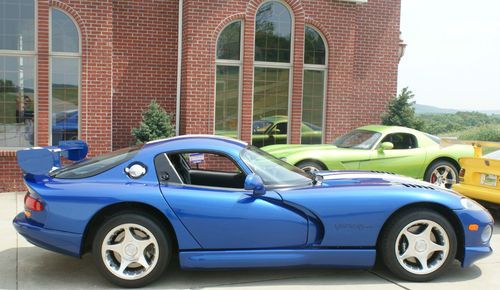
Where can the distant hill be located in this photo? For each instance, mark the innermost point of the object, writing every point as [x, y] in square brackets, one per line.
[426, 109]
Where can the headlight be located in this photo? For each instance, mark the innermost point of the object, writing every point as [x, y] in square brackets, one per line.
[469, 204]
[283, 159]
[486, 234]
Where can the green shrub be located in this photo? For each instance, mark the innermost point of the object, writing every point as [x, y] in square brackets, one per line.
[482, 133]
[156, 124]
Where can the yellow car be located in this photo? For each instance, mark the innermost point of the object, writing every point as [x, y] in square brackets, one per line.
[480, 175]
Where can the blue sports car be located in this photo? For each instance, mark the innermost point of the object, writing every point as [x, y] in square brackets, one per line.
[221, 203]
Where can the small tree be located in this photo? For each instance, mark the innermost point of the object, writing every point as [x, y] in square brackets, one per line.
[400, 112]
[156, 123]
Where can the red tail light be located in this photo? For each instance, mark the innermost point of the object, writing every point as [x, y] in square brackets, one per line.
[32, 204]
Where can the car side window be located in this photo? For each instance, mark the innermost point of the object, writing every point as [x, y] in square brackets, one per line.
[207, 169]
[401, 141]
[281, 128]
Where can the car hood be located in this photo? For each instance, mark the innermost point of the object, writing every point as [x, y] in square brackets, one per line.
[355, 180]
[369, 178]
[290, 149]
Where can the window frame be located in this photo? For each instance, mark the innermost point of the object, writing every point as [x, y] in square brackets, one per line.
[214, 152]
[278, 65]
[28, 53]
[234, 63]
[65, 55]
[413, 136]
[317, 67]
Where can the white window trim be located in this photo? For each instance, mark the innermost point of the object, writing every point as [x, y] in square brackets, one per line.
[324, 69]
[230, 62]
[67, 55]
[280, 65]
[32, 53]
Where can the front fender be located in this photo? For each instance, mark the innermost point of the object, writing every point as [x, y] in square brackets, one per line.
[353, 216]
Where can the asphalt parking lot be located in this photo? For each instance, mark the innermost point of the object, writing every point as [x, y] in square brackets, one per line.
[27, 267]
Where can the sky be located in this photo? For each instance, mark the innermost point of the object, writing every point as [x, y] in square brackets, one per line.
[452, 59]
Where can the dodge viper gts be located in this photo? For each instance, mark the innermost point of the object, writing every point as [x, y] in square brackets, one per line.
[384, 148]
[216, 202]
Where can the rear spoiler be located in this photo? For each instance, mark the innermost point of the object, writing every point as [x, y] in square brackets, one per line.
[478, 152]
[42, 160]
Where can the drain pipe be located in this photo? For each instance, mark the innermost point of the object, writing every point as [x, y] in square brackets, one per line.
[179, 70]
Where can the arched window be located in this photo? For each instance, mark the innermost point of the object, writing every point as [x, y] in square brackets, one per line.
[17, 73]
[227, 80]
[65, 59]
[273, 38]
[315, 67]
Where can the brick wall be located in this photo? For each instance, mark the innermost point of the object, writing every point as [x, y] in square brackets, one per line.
[94, 19]
[362, 61]
[129, 57]
[144, 61]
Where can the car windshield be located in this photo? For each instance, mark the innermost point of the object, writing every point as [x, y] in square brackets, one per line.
[96, 165]
[493, 155]
[273, 171]
[357, 139]
[436, 139]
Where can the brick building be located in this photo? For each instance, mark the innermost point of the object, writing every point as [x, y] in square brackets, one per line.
[265, 71]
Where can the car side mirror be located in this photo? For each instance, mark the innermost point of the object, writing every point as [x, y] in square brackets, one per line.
[255, 183]
[386, 146]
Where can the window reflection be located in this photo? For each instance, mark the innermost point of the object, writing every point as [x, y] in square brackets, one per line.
[65, 36]
[227, 80]
[312, 106]
[314, 51]
[313, 92]
[17, 18]
[226, 106]
[272, 33]
[16, 101]
[65, 77]
[228, 44]
[65, 92]
[270, 107]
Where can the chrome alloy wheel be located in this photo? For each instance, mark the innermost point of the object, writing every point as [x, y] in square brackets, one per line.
[310, 168]
[422, 247]
[443, 176]
[130, 251]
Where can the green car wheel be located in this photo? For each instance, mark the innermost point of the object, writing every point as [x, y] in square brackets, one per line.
[311, 166]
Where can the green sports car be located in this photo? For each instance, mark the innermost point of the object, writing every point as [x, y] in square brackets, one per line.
[392, 149]
[273, 130]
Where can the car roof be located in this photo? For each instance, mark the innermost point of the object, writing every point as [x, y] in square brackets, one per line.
[388, 129]
[196, 142]
[274, 119]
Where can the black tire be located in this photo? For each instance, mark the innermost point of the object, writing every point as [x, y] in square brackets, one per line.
[389, 238]
[437, 164]
[152, 225]
[308, 165]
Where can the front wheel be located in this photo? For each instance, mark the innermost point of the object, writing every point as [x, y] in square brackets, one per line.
[418, 245]
[442, 173]
[310, 166]
[131, 250]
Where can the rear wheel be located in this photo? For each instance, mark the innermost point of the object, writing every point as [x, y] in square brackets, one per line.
[418, 245]
[311, 166]
[131, 250]
[442, 173]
